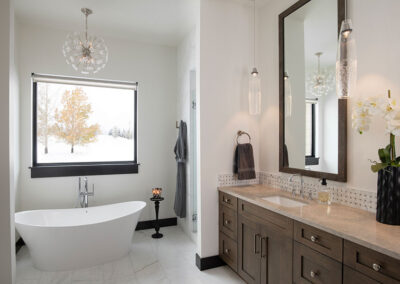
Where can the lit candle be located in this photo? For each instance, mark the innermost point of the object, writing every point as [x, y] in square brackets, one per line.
[156, 192]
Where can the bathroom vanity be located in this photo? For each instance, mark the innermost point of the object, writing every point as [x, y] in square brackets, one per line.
[266, 242]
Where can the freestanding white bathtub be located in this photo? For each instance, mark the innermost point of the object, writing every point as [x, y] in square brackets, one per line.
[65, 239]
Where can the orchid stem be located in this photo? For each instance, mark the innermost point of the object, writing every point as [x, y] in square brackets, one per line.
[393, 144]
[392, 139]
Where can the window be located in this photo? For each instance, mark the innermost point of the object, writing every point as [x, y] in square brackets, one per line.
[310, 130]
[83, 127]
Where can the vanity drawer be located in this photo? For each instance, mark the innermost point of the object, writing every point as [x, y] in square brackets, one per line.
[228, 221]
[318, 240]
[281, 223]
[310, 266]
[228, 200]
[350, 276]
[375, 265]
[228, 250]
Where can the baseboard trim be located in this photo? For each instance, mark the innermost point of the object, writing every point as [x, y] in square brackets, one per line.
[208, 262]
[167, 222]
[19, 244]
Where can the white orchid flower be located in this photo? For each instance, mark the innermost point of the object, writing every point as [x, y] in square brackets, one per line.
[361, 116]
[393, 124]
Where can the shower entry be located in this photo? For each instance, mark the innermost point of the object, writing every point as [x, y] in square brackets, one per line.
[193, 150]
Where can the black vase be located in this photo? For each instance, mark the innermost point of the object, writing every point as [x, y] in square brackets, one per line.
[388, 196]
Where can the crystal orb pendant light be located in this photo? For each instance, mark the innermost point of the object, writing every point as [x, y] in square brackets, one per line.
[84, 52]
[346, 60]
[319, 80]
[254, 80]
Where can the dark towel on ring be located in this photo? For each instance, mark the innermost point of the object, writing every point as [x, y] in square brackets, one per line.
[244, 162]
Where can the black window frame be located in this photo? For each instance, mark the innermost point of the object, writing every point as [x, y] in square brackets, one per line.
[312, 160]
[43, 170]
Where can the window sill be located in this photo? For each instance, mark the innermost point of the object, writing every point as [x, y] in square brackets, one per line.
[44, 171]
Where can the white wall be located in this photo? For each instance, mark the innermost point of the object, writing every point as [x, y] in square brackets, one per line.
[7, 191]
[225, 37]
[186, 62]
[376, 27]
[154, 67]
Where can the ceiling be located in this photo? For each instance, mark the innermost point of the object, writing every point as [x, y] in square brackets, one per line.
[163, 22]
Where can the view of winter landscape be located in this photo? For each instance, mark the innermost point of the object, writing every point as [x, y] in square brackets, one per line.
[77, 124]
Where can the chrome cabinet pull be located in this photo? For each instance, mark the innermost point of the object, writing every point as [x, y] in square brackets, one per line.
[314, 239]
[263, 255]
[255, 243]
[227, 200]
[376, 267]
[227, 251]
[227, 222]
[313, 274]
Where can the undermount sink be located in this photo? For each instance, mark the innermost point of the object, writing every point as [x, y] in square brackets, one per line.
[284, 201]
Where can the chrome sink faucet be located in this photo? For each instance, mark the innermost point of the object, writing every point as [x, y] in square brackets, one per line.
[301, 185]
[84, 193]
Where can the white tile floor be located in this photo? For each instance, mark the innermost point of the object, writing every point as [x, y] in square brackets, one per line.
[167, 260]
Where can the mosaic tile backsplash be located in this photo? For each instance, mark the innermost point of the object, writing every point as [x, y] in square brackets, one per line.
[341, 193]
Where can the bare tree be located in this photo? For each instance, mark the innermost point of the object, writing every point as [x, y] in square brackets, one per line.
[44, 116]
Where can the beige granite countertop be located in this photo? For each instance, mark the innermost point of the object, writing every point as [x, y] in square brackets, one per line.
[352, 224]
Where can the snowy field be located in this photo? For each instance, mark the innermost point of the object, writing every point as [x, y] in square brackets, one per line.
[105, 149]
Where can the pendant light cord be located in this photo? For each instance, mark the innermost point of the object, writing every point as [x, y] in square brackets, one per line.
[86, 27]
[254, 33]
[345, 9]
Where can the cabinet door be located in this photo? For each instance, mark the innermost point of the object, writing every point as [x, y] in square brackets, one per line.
[249, 250]
[276, 255]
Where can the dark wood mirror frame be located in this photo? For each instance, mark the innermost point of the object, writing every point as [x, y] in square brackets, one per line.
[342, 107]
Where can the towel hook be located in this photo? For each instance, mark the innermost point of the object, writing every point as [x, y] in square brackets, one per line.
[240, 133]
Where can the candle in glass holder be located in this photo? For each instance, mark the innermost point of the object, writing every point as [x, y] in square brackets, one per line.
[156, 192]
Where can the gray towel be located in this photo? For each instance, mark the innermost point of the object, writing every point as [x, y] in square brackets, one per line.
[285, 156]
[180, 157]
[244, 162]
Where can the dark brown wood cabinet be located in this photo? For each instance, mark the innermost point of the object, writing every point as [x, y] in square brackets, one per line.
[310, 266]
[228, 221]
[350, 276]
[249, 245]
[228, 248]
[375, 265]
[265, 247]
[319, 240]
[276, 255]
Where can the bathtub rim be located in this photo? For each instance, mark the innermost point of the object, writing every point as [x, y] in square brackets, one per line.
[142, 203]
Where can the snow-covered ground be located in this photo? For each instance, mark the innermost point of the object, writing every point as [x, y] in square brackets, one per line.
[105, 149]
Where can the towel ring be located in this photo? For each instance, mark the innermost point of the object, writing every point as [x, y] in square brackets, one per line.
[240, 133]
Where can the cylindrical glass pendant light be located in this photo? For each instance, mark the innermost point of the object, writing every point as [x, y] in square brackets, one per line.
[254, 81]
[254, 93]
[288, 95]
[346, 60]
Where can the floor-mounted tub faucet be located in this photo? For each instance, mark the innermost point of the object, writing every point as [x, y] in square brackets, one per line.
[84, 193]
[301, 185]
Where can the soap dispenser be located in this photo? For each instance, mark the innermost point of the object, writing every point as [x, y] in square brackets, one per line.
[324, 195]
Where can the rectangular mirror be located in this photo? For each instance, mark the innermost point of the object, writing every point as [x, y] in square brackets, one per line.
[312, 118]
